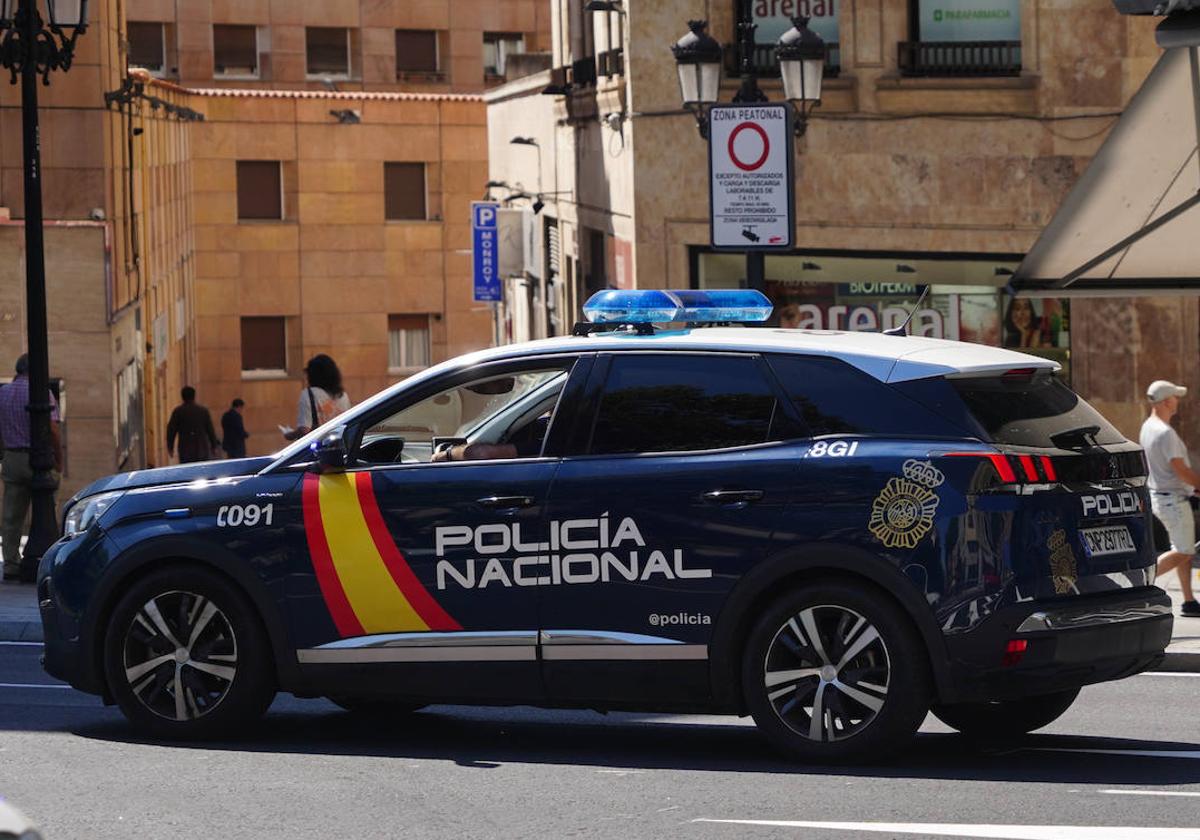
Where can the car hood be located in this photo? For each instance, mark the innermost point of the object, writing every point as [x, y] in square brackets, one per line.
[175, 475]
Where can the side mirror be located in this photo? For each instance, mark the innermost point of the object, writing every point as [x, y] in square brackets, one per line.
[330, 451]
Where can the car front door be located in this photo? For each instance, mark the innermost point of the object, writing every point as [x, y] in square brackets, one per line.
[415, 560]
[674, 487]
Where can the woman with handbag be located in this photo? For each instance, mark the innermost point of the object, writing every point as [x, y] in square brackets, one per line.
[322, 398]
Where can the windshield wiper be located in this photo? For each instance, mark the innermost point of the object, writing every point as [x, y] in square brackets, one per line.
[1064, 440]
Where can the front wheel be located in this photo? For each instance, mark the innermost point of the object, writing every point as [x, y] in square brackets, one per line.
[185, 656]
[1006, 717]
[835, 673]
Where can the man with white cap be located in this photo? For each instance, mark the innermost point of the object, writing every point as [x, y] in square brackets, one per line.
[1172, 482]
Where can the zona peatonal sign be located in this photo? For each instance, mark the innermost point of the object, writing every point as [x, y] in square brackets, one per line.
[751, 177]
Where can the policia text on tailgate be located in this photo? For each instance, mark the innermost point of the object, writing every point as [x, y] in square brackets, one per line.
[832, 532]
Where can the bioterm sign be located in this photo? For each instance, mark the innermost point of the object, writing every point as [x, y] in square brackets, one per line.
[751, 178]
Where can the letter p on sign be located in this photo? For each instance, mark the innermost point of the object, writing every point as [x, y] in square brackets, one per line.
[485, 216]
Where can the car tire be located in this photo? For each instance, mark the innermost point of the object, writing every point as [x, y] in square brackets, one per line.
[1006, 718]
[185, 656]
[867, 674]
[375, 706]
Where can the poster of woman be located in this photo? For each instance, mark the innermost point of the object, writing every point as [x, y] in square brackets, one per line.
[1035, 323]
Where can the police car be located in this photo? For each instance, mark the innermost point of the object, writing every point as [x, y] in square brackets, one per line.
[832, 532]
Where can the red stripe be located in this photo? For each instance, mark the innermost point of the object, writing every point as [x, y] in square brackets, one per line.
[418, 596]
[318, 548]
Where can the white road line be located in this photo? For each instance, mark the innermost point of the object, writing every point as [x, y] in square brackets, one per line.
[1189, 754]
[20, 644]
[1000, 832]
[32, 685]
[1168, 674]
[1153, 792]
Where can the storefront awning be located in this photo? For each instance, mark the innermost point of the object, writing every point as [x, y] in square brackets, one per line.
[1131, 224]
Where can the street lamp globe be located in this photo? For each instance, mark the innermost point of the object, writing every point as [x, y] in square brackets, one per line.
[801, 55]
[68, 14]
[698, 60]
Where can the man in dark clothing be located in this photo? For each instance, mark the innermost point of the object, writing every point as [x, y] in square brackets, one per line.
[193, 425]
[233, 431]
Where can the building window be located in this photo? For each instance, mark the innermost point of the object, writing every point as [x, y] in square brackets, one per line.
[403, 191]
[408, 342]
[497, 47]
[962, 38]
[416, 51]
[264, 344]
[259, 189]
[147, 46]
[328, 49]
[235, 50]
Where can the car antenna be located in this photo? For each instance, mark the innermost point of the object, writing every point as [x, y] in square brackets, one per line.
[903, 328]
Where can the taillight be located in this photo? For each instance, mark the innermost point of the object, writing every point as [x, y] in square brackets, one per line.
[1013, 652]
[1007, 465]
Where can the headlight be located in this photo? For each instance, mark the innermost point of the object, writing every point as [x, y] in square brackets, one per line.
[86, 512]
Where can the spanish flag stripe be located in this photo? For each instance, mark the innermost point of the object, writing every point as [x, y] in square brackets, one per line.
[318, 548]
[418, 596]
[379, 604]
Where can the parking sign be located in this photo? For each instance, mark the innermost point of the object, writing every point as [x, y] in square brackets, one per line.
[485, 250]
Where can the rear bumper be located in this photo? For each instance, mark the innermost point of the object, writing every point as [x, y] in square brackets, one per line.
[1070, 643]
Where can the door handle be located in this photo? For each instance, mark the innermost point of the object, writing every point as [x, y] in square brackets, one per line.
[732, 498]
[505, 503]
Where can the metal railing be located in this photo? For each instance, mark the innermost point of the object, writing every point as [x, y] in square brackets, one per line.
[611, 63]
[767, 67]
[960, 58]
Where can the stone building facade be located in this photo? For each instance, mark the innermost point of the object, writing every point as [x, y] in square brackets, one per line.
[935, 157]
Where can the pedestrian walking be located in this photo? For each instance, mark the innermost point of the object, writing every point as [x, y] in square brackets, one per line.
[322, 398]
[192, 424]
[1172, 482]
[16, 472]
[233, 430]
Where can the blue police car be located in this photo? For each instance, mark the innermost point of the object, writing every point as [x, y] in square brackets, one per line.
[832, 532]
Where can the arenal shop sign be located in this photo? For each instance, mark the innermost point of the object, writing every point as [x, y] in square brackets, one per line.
[774, 17]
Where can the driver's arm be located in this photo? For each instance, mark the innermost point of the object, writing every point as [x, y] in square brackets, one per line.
[476, 452]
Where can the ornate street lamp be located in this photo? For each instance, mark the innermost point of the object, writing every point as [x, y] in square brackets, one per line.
[29, 49]
[698, 62]
[801, 55]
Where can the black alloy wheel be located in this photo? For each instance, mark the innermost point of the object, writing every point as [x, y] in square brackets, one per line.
[835, 673]
[185, 656]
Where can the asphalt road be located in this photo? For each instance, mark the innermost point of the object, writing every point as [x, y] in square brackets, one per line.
[1122, 764]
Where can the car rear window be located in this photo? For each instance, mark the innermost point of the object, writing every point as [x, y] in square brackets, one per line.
[1025, 410]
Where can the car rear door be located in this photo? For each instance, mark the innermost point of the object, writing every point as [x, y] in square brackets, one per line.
[672, 488]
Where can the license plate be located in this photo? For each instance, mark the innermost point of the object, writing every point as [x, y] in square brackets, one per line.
[1114, 539]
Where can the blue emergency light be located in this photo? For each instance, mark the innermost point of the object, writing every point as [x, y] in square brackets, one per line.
[656, 306]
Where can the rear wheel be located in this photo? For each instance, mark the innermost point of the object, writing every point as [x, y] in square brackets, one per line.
[185, 656]
[1005, 718]
[835, 673]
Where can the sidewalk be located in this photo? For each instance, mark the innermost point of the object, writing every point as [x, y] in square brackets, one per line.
[19, 622]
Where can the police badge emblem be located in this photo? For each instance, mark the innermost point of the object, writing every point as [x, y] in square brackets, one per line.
[903, 511]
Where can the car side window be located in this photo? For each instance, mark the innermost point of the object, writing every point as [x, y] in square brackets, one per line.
[833, 397]
[680, 402]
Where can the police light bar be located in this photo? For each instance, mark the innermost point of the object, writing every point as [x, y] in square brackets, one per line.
[656, 306]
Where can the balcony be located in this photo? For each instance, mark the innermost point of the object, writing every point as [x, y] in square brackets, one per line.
[967, 59]
[767, 67]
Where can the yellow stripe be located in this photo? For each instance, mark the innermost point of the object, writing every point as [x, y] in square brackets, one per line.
[379, 604]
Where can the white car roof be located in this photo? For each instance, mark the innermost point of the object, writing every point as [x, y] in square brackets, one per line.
[888, 358]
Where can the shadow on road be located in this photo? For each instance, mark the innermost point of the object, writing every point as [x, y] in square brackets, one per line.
[483, 739]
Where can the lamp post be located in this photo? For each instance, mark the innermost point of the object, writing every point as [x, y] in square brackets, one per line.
[30, 49]
[801, 55]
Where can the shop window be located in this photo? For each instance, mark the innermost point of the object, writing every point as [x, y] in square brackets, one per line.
[264, 344]
[259, 189]
[404, 191]
[147, 46]
[417, 52]
[497, 47]
[328, 50]
[408, 342]
[659, 403]
[962, 38]
[235, 50]
[774, 17]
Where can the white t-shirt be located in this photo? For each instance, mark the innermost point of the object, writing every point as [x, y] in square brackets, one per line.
[1163, 445]
[327, 407]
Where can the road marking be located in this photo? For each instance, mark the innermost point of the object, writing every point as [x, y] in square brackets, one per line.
[1168, 674]
[21, 644]
[1000, 832]
[1189, 754]
[32, 685]
[1153, 792]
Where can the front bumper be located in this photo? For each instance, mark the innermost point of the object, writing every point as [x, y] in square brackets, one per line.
[1071, 643]
[67, 652]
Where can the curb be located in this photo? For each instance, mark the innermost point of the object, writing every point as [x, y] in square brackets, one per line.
[20, 631]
